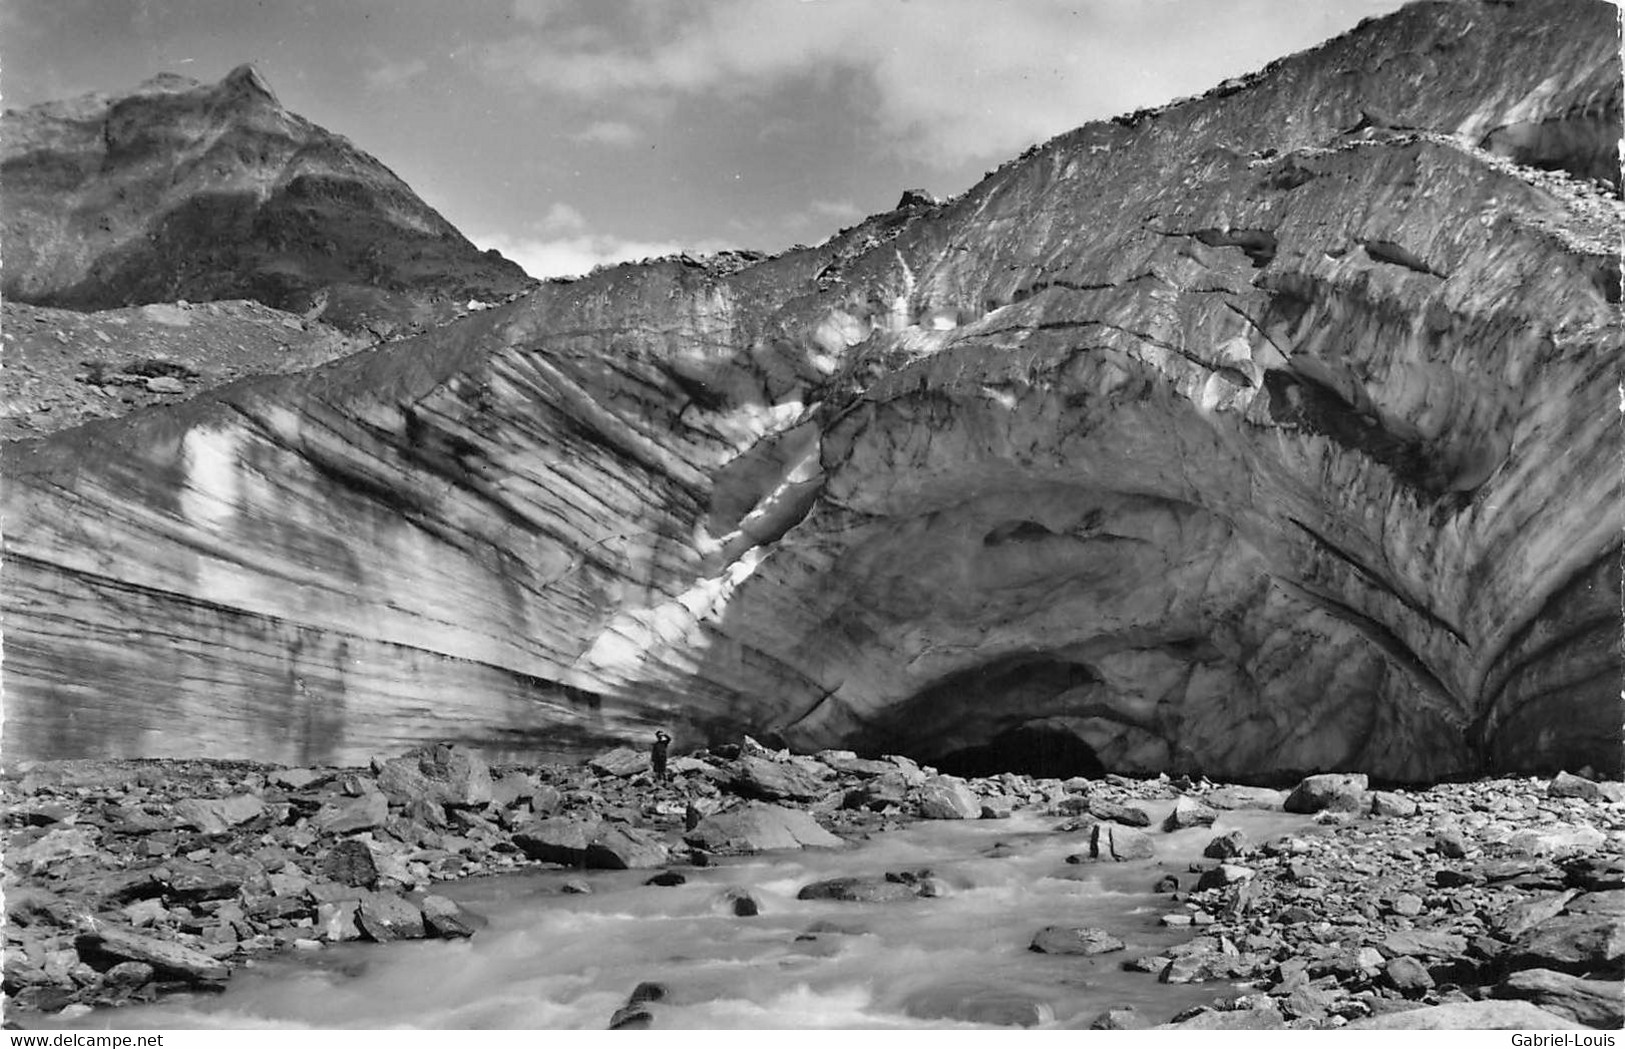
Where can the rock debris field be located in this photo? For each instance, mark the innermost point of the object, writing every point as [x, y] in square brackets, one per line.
[1496, 903]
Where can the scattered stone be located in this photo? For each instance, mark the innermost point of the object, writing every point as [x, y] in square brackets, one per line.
[1338, 792]
[1073, 939]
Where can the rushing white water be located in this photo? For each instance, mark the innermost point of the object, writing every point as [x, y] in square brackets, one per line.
[552, 960]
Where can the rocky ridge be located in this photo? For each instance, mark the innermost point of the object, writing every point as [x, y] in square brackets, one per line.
[182, 190]
[127, 880]
[1266, 433]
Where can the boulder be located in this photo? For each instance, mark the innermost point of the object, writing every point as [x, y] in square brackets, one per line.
[1596, 873]
[1467, 1016]
[1110, 841]
[1074, 939]
[998, 807]
[1333, 791]
[336, 921]
[618, 848]
[1222, 875]
[1228, 1020]
[385, 916]
[1568, 785]
[443, 918]
[1608, 901]
[973, 1003]
[859, 890]
[757, 827]
[188, 881]
[442, 773]
[1387, 803]
[947, 798]
[350, 815]
[1595, 1003]
[556, 840]
[53, 847]
[217, 815]
[1576, 943]
[738, 901]
[1408, 976]
[1228, 846]
[1242, 797]
[351, 862]
[169, 959]
[1189, 812]
[1118, 812]
[769, 780]
[1423, 943]
[621, 762]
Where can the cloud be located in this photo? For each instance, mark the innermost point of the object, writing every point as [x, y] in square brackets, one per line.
[839, 210]
[562, 218]
[391, 76]
[608, 133]
[952, 80]
[577, 251]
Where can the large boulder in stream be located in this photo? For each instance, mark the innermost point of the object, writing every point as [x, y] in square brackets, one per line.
[1268, 432]
[758, 827]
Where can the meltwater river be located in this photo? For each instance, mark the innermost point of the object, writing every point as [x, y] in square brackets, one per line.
[553, 960]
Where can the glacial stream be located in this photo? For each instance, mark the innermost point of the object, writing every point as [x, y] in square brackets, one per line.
[549, 959]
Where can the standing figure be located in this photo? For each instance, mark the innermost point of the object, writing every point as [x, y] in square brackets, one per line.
[657, 754]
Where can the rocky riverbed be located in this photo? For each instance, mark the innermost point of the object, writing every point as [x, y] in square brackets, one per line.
[1493, 903]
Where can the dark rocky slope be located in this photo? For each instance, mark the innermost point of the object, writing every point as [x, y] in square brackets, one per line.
[183, 190]
[1273, 431]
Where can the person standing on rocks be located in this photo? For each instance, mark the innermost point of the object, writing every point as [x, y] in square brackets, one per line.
[657, 754]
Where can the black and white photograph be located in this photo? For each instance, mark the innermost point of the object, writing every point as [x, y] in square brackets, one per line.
[891, 516]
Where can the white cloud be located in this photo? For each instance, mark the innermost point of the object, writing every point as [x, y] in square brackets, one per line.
[562, 218]
[575, 255]
[954, 80]
[839, 210]
[390, 76]
[608, 133]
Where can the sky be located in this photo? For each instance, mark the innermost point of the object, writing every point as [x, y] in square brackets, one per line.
[570, 133]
